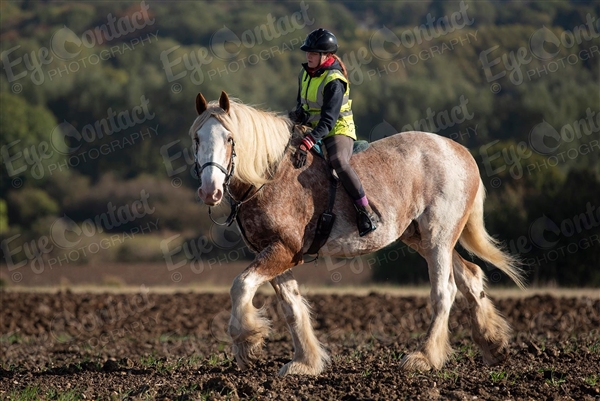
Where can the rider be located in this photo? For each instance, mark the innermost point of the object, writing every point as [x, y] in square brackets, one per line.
[323, 103]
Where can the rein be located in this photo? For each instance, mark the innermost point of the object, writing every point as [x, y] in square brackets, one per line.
[234, 205]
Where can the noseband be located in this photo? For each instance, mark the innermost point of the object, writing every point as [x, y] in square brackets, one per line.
[228, 173]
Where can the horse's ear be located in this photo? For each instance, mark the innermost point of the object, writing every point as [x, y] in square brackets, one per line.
[224, 101]
[201, 104]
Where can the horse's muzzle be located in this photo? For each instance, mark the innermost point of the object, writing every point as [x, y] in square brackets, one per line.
[210, 198]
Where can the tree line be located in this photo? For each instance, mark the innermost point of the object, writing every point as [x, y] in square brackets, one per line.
[97, 98]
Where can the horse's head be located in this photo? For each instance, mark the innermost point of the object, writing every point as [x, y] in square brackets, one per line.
[214, 150]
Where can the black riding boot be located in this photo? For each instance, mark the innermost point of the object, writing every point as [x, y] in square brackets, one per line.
[365, 220]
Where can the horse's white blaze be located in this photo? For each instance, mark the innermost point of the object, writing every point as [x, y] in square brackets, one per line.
[213, 148]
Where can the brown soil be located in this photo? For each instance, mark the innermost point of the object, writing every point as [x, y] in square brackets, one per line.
[147, 346]
[212, 272]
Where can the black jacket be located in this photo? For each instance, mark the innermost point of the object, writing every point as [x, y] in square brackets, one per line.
[333, 97]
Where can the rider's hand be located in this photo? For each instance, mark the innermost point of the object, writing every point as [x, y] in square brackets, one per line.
[299, 116]
[306, 144]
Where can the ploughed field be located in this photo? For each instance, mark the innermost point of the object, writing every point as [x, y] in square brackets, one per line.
[174, 346]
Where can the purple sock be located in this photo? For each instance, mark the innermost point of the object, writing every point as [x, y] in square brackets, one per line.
[362, 201]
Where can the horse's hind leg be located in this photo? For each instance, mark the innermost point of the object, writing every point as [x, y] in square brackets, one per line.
[248, 326]
[436, 347]
[490, 331]
[309, 356]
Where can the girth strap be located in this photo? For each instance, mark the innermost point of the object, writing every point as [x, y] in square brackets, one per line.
[325, 223]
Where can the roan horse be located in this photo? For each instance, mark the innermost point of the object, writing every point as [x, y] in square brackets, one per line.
[424, 188]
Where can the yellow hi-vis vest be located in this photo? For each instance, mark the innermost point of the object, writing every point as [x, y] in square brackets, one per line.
[311, 93]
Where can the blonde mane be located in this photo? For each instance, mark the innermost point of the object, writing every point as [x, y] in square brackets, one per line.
[261, 138]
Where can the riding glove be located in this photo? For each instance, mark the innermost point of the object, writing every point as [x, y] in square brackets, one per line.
[300, 156]
[299, 116]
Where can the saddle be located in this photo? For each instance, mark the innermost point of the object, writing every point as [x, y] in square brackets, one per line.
[327, 218]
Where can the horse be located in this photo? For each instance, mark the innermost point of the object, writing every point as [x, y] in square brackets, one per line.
[425, 190]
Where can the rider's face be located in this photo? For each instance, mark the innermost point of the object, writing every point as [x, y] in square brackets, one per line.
[315, 59]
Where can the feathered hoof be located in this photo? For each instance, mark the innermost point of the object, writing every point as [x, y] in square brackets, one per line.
[299, 368]
[246, 353]
[494, 354]
[415, 361]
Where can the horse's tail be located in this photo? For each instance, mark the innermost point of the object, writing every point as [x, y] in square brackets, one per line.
[476, 240]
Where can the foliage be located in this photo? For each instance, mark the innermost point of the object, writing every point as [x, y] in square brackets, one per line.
[65, 113]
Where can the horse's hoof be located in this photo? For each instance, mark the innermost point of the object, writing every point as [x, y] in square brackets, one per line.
[415, 361]
[298, 368]
[245, 353]
[494, 355]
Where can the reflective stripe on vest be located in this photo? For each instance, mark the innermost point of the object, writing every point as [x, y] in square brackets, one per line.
[311, 93]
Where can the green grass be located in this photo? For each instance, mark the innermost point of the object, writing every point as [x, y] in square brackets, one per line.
[159, 364]
[395, 356]
[195, 359]
[356, 354]
[12, 338]
[464, 351]
[446, 374]
[62, 338]
[34, 393]
[497, 377]
[214, 360]
[570, 348]
[219, 359]
[70, 395]
[592, 380]
[28, 393]
[148, 361]
[556, 379]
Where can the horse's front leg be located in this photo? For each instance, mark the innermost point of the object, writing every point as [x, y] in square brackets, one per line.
[248, 326]
[309, 356]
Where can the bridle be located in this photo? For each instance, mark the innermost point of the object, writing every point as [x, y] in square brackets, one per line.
[228, 172]
[233, 203]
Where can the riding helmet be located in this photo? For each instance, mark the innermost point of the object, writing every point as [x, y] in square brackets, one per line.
[320, 41]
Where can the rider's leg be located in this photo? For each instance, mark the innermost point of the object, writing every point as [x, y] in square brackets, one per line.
[339, 151]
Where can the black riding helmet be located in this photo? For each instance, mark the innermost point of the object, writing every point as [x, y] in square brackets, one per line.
[320, 41]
